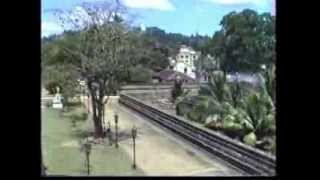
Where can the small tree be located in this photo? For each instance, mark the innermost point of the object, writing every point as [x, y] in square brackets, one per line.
[177, 89]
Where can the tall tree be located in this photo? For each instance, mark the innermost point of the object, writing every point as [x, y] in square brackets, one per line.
[245, 41]
[101, 51]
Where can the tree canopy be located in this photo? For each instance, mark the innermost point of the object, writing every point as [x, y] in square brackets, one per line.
[246, 40]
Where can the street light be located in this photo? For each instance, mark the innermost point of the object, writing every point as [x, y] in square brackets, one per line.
[82, 85]
[134, 135]
[109, 133]
[88, 106]
[87, 149]
[116, 124]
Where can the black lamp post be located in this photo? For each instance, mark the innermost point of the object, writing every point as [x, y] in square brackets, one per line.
[109, 133]
[87, 149]
[116, 124]
[88, 102]
[134, 135]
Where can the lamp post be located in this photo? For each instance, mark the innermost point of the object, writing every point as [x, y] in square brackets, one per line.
[43, 167]
[264, 73]
[134, 135]
[116, 127]
[109, 133]
[87, 150]
[88, 101]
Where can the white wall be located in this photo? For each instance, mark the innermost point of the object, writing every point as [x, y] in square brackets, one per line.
[185, 60]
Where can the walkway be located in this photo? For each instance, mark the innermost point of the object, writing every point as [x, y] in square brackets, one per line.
[159, 152]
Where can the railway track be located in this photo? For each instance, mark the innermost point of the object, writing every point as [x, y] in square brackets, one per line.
[246, 159]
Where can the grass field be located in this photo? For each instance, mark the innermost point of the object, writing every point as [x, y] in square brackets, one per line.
[62, 155]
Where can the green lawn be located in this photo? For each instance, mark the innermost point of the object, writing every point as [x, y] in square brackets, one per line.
[61, 152]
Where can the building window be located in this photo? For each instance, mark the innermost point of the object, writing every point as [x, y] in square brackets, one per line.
[187, 56]
[181, 56]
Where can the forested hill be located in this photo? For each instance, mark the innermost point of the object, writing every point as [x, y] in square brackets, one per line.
[176, 39]
[159, 36]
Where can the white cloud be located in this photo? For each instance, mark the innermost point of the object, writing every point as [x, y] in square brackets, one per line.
[240, 2]
[49, 28]
[273, 12]
[164, 5]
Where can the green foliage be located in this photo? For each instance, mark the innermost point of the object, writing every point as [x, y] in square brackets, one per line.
[198, 111]
[183, 107]
[51, 87]
[245, 41]
[176, 90]
[239, 110]
[55, 72]
[250, 139]
[140, 74]
[79, 117]
[270, 81]
[49, 104]
[261, 117]
[217, 87]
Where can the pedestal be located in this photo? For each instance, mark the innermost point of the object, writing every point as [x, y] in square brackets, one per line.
[57, 105]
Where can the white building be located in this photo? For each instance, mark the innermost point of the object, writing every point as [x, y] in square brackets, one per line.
[184, 61]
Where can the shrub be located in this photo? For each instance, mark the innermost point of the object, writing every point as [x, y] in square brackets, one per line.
[51, 87]
[200, 111]
[176, 90]
[250, 139]
[49, 104]
[84, 116]
[183, 108]
[139, 74]
[72, 103]
[76, 117]
[213, 122]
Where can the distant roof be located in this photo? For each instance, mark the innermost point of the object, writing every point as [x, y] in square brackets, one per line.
[245, 77]
[170, 75]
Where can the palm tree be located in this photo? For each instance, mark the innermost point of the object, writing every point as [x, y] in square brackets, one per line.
[260, 113]
[217, 86]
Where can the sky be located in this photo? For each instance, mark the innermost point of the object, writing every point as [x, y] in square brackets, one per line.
[177, 16]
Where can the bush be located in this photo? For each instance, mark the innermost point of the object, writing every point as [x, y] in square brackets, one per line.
[139, 74]
[76, 117]
[49, 104]
[84, 116]
[213, 122]
[176, 90]
[250, 139]
[232, 126]
[51, 87]
[183, 108]
[200, 106]
[72, 104]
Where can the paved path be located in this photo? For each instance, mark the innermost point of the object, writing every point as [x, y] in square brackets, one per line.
[160, 152]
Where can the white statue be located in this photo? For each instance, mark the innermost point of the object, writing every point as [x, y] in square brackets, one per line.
[57, 100]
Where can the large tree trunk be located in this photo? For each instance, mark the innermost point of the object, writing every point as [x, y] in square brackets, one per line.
[96, 114]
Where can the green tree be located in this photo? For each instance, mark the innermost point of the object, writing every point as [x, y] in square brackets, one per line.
[245, 41]
[100, 53]
[140, 74]
[53, 74]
